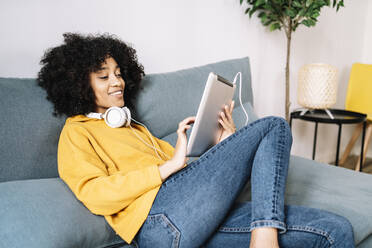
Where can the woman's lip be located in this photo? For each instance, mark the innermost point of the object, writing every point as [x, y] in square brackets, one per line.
[118, 95]
[121, 93]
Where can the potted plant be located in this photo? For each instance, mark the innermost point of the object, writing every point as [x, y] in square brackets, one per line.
[288, 15]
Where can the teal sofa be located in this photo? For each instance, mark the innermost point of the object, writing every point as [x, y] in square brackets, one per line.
[37, 209]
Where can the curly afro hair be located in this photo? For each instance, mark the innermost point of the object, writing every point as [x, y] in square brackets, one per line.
[66, 68]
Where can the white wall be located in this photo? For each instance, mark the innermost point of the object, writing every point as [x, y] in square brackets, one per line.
[367, 48]
[176, 34]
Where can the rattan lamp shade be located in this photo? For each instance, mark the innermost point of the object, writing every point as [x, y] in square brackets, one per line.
[317, 86]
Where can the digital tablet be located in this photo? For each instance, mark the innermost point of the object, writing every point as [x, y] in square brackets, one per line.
[206, 130]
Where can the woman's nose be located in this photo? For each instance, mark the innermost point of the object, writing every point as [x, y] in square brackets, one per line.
[114, 82]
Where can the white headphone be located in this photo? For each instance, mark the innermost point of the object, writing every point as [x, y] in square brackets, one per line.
[117, 117]
[114, 116]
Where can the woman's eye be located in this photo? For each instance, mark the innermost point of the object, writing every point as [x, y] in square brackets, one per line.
[104, 77]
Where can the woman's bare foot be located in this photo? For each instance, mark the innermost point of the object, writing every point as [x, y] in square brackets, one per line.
[264, 237]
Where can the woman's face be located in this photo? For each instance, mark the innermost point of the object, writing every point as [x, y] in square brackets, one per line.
[108, 86]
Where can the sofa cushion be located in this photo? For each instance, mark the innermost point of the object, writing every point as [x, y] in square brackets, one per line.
[43, 213]
[367, 243]
[29, 133]
[339, 190]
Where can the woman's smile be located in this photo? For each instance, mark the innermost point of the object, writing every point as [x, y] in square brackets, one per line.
[116, 93]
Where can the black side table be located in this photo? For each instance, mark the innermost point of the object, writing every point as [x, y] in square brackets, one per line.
[340, 117]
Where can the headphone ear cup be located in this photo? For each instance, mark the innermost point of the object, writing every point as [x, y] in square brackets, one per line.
[128, 116]
[117, 117]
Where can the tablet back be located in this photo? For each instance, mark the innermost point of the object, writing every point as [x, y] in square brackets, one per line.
[206, 130]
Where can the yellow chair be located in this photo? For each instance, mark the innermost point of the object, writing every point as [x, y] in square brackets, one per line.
[359, 99]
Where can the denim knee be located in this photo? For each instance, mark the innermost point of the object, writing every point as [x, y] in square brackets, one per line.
[339, 231]
[342, 232]
[280, 122]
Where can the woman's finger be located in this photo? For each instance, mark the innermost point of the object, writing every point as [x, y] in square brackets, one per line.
[189, 119]
[227, 125]
[183, 127]
[223, 116]
[223, 124]
[228, 114]
[186, 121]
[232, 106]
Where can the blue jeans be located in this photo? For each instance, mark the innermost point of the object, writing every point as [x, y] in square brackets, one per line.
[197, 205]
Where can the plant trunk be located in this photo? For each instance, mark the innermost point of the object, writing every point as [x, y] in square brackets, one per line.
[287, 102]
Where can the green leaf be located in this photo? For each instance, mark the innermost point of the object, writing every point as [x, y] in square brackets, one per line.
[306, 23]
[268, 22]
[263, 17]
[252, 11]
[268, 7]
[274, 26]
[274, 17]
[319, 3]
[315, 14]
[289, 12]
[261, 14]
[308, 3]
[309, 11]
[241, 1]
[259, 2]
[312, 22]
[340, 4]
[297, 4]
[302, 12]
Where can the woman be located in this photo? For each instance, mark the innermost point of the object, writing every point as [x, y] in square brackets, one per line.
[151, 196]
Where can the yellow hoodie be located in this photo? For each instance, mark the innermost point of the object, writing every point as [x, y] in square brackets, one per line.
[111, 171]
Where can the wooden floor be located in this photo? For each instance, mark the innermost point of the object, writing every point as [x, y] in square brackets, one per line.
[351, 161]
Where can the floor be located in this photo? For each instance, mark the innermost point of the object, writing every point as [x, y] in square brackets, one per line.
[351, 161]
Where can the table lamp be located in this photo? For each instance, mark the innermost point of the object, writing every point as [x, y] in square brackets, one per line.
[317, 87]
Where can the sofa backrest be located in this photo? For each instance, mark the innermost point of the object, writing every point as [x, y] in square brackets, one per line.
[29, 132]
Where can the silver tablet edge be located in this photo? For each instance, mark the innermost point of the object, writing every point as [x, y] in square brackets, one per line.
[211, 78]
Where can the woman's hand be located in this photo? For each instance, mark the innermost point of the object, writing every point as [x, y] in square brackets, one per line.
[179, 158]
[227, 122]
[180, 150]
